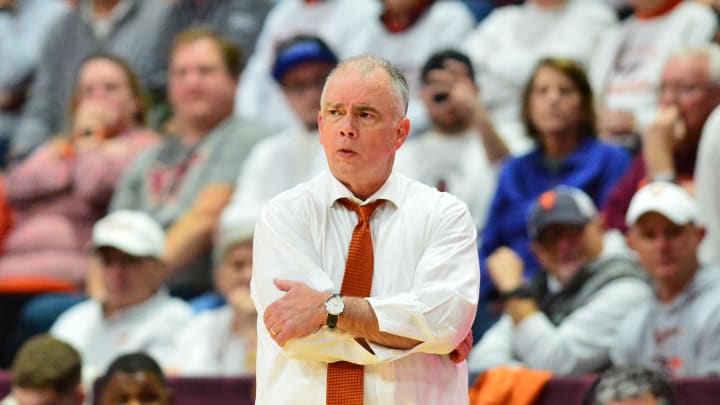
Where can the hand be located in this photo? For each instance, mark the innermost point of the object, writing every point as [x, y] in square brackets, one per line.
[239, 298]
[505, 268]
[463, 349]
[454, 81]
[615, 123]
[93, 118]
[659, 140]
[300, 312]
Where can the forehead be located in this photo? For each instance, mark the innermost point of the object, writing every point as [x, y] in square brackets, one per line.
[652, 220]
[196, 51]
[351, 86]
[101, 66]
[686, 67]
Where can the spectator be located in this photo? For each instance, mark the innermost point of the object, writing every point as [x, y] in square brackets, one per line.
[293, 155]
[689, 92]
[137, 313]
[223, 341]
[507, 45]
[406, 33]
[186, 182]
[335, 21]
[122, 27]
[462, 152]
[675, 333]
[46, 371]
[573, 304]
[630, 386]
[24, 25]
[65, 186]
[239, 21]
[625, 70]
[135, 378]
[558, 113]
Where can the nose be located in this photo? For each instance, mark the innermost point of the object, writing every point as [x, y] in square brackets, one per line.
[348, 127]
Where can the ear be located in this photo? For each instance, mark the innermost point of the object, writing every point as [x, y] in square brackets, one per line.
[402, 130]
[630, 238]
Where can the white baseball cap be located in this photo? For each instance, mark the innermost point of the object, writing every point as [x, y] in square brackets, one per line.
[665, 198]
[132, 232]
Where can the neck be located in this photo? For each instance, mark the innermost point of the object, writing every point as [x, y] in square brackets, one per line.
[656, 9]
[102, 8]
[191, 132]
[559, 145]
[668, 289]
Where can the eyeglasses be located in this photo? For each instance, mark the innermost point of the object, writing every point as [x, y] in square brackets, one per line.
[300, 87]
[683, 89]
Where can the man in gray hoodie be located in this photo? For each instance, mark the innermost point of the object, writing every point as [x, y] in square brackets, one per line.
[677, 333]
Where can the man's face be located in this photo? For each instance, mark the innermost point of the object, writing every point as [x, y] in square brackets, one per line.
[685, 84]
[447, 114]
[47, 396]
[140, 388]
[302, 86]
[200, 85]
[563, 249]
[361, 124]
[129, 280]
[667, 251]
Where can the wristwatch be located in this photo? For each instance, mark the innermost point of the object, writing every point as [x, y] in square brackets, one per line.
[334, 307]
[521, 291]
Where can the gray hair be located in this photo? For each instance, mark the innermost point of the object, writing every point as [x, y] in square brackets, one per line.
[367, 64]
[624, 383]
[710, 50]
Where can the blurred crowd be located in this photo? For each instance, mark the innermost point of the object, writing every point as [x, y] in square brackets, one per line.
[139, 140]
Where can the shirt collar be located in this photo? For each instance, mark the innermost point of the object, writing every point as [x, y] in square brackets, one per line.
[103, 27]
[390, 191]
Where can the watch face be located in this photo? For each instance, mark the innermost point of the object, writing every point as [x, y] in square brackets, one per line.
[334, 305]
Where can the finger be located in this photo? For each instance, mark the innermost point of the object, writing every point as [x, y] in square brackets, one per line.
[284, 285]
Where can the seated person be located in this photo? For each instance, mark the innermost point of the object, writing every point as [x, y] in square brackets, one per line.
[46, 371]
[185, 182]
[689, 93]
[558, 113]
[462, 153]
[134, 378]
[223, 341]
[137, 313]
[676, 333]
[576, 301]
[65, 186]
[293, 155]
[630, 386]
[626, 65]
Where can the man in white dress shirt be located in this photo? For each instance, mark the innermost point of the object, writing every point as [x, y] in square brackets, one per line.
[425, 273]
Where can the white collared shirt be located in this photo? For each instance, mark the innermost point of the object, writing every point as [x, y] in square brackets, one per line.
[425, 287]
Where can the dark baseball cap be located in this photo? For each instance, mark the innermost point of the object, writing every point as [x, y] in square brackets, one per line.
[560, 205]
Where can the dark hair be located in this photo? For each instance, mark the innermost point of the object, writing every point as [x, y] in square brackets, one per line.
[136, 88]
[300, 49]
[233, 55]
[573, 71]
[436, 60]
[131, 363]
[46, 362]
[623, 383]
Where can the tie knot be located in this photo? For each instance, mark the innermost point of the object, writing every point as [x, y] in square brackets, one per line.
[364, 212]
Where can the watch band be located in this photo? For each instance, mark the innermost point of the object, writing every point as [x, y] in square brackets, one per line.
[521, 291]
[332, 320]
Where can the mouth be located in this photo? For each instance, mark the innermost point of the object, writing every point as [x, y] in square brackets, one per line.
[346, 153]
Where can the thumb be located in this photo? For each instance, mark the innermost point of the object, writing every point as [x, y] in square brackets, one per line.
[284, 285]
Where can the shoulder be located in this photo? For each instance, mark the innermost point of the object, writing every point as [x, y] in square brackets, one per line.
[427, 202]
[78, 315]
[301, 201]
[693, 11]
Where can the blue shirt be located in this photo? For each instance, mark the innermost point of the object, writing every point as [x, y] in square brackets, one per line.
[593, 167]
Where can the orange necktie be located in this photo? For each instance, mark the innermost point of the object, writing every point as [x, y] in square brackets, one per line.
[344, 379]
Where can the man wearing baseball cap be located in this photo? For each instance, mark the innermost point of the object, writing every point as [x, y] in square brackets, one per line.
[678, 331]
[573, 305]
[136, 312]
[293, 155]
